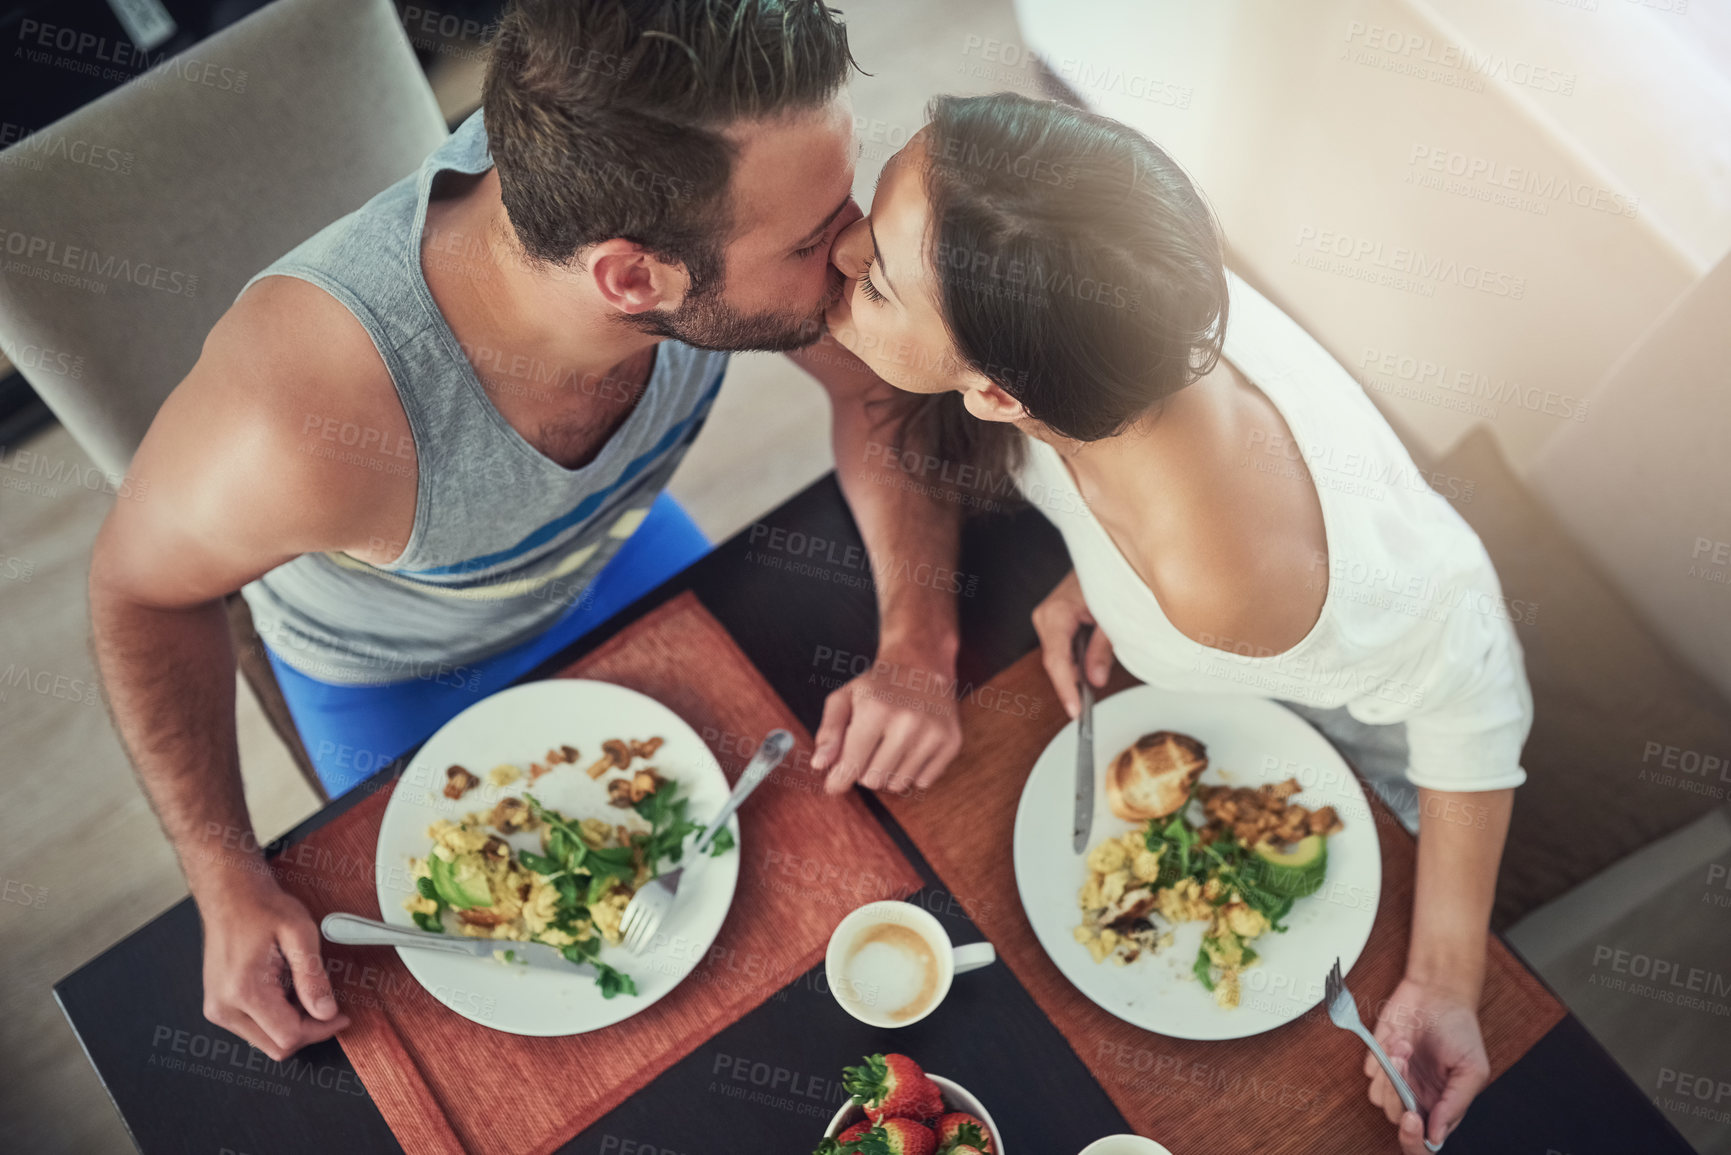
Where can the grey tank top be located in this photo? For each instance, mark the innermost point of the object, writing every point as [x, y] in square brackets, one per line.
[505, 539]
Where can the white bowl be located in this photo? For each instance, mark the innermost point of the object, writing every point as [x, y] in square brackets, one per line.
[956, 1098]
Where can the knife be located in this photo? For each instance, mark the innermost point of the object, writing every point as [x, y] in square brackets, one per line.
[353, 930]
[1084, 744]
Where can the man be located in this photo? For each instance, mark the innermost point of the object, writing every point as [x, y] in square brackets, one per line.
[650, 185]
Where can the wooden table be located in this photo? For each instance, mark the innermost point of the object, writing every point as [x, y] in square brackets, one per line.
[772, 1071]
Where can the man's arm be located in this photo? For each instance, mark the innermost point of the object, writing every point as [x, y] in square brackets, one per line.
[224, 487]
[1430, 1024]
[894, 726]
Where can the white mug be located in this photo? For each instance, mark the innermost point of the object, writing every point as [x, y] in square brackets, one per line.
[1124, 1145]
[862, 1001]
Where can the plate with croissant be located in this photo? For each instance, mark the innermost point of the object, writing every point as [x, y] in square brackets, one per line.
[1233, 857]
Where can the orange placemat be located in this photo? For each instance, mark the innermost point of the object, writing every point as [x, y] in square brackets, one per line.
[445, 1084]
[1299, 1089]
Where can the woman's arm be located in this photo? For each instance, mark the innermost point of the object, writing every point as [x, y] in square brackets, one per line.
[1430, 1025]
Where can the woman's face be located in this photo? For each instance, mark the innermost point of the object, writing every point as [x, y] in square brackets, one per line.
[887, 314]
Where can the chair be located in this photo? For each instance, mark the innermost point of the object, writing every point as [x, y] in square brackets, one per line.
[212, 165]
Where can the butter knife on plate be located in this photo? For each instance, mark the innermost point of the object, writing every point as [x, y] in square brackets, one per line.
[353, 930]
[1084, 825]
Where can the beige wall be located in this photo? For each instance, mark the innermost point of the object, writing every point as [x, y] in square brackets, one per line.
[1646, 484]
[1316, 159]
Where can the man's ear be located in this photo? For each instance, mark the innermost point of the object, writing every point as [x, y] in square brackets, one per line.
[632, 280]
[988, 401]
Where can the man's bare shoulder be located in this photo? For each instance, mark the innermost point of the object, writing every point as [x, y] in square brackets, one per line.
[286, 437]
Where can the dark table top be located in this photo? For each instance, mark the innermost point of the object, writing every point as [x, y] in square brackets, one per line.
[767, 1083]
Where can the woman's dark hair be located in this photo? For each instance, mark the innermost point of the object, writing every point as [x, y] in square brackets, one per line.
[1078, 268]
[605, 117]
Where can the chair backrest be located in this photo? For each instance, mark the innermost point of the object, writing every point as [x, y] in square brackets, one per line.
[130, 225]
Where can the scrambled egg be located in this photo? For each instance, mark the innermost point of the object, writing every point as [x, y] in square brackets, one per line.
[523, 902]
[1120, 899]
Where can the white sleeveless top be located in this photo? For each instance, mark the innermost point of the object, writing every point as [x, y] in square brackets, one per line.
[1414, 627]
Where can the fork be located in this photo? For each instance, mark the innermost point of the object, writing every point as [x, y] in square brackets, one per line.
[649, 906]
[1343, 1012]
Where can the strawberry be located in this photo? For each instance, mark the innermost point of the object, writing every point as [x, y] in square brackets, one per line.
[889, 1137]
[960, 1133]
[893, 1087]
[904, 1137]
[845, 1143]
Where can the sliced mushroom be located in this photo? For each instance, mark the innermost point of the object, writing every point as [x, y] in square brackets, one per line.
[646, 749]
[619, 792]
[513, 815]
[496, 847]
[614, 753]
[481, 916]
[459, 782]
[644, 783]
[553, 757]
[570, 753]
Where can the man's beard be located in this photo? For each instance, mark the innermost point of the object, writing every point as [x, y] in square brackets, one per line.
[705, 321]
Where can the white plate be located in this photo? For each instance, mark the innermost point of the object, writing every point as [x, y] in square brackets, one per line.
[1250, 741]
[519, 725]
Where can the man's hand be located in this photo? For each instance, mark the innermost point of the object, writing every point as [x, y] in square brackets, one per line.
[1056, 620]
[257, 941]
[1431, 1033]
[893, 727]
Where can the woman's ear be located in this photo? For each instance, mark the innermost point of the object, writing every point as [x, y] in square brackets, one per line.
[988, 401]
[633, 281]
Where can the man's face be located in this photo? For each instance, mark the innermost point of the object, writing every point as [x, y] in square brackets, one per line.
[792, 195]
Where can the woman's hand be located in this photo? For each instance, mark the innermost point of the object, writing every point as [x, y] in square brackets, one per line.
[1431, 1033]
[1056, 620]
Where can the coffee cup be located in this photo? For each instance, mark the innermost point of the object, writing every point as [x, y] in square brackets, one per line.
[890, 963]
[1124, 1145]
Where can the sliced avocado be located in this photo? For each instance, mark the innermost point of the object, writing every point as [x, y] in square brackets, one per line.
[461, 884]
[1292, 873]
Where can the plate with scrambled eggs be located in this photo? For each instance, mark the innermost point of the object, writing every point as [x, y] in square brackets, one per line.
[533, 817]
[1233, 857]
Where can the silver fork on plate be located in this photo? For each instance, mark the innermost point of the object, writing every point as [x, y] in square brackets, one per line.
[1343, 1012]
[649, 906]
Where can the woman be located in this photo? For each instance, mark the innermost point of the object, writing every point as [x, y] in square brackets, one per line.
[1240, 517]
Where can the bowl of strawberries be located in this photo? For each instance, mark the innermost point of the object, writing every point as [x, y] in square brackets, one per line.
[898, 1109]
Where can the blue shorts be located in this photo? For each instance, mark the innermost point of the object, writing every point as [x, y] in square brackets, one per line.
[350, 732]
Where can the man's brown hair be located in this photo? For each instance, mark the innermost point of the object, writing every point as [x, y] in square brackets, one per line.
[604, 117]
